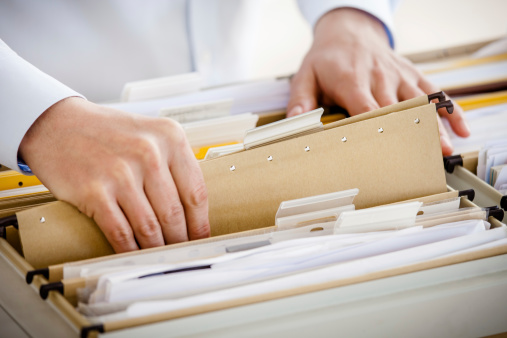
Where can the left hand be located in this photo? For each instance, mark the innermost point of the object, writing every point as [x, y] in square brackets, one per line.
[352, 65]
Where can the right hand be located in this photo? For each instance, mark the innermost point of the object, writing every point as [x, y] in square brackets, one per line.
[135, 176]
[351, 64]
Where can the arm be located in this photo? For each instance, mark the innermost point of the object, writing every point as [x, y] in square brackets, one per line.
[135, 176]
[352, 64]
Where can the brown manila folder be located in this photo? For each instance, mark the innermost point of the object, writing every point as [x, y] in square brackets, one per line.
[391, 154]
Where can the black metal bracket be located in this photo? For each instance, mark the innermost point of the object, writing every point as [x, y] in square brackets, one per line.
[44, 289]
[469, 193]
[37, 272]
[5, 222]
[451, 161]
[87, 329]
[495, 212]
[503, 202]
[438, 95]
[447, 105]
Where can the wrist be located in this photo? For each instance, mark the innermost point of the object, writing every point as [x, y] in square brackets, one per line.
[353, 25]
[47, 123]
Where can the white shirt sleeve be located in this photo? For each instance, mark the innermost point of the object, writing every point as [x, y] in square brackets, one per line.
[25, 94]
[313, 10]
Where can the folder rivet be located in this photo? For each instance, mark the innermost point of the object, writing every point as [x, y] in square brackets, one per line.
[270, 158]
[344, 139]
[42, 220]
[233, 168]
[381, 130]
[307, 148]
[416, 121]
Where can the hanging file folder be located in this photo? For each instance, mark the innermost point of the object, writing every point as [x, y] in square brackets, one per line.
[390, 154]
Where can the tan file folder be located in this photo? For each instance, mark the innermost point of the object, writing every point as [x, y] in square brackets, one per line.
[390, 154]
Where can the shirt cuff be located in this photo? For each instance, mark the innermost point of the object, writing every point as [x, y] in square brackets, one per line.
[382, 10]
[26, 93]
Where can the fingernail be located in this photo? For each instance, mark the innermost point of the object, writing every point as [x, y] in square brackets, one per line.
[464, 127]
[295, 111]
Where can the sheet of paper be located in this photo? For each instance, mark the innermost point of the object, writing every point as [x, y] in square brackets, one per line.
[501, 178]
[487, 125]
[258, 96]
[198, 111]
[468, 76]
[271, 263]
[317, 276]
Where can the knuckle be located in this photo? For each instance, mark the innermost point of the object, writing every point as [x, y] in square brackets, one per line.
[172, 129]
[148, 229]
[378, 72]
[148, 153]
[120, 172]
[199, 195]
[91, 198]
[173, 214]
[120, 236]
[200, 231]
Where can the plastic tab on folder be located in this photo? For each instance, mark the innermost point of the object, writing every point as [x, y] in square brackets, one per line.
[276, 131]
[223, 150]
[390, 217]
[320, 207]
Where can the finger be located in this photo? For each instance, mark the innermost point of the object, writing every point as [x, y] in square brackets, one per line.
[140, 215]
[445, 141]
[163, 196]
[189, 181]
[114, 225]
[384, 89]
[456, 119]
[303, 92]
[356, 100]
[351, 90]
[407, 91]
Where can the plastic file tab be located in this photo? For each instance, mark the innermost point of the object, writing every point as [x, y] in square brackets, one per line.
[440, 206]
[215, 152]
[220, 130]
[321, 216]
[390, 217]
[320, 207]
[284, 129]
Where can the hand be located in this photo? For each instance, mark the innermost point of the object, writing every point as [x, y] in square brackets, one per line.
[135, 176]
[352, 65]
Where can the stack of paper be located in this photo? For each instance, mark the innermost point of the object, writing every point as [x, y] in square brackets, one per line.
[161, 87]
[231, 269]
[486, 124]
[492, 164]
[258, 96]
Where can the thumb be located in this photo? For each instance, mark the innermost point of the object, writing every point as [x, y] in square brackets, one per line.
[303, 92]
